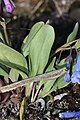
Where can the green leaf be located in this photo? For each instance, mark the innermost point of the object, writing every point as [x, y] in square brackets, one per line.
[59, 83]
[13, 75]
[26, 43]
[21, 70]
[51, 66]
[72, 36]
[47, 88]
[12, 58]
[47, 84]
[9, 54]
[38, 32]
[24, 49]
[40, 49]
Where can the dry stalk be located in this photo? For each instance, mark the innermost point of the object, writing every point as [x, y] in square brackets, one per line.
[47, 76]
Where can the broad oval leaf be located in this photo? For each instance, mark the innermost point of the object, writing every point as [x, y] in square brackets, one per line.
[40, 49]
[72, 36]
[12, 58]
[26, 43]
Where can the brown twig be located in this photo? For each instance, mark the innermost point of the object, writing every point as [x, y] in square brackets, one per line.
[65, 47]
[58, 8]
[5, 31]
[47, 76]
[36, 8]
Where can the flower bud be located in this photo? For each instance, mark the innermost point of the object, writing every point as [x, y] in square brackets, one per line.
[9, 6]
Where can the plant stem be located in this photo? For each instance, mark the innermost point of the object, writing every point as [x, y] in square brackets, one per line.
[58, 8]
[5, 32]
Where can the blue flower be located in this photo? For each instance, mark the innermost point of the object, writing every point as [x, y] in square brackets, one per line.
[78, 62]
[67, 76]
[69, 114]
[75, 78]
[9, 6]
